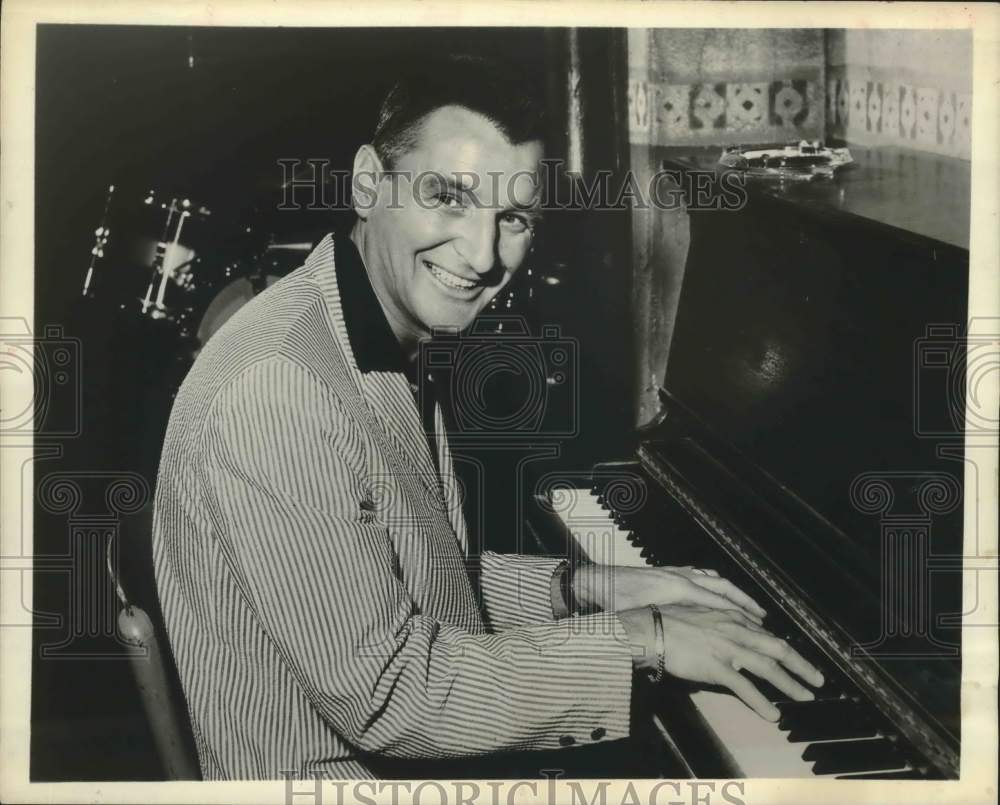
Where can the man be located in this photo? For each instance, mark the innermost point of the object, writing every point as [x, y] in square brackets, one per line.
[310, 557]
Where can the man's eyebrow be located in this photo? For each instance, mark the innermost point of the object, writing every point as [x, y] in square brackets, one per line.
[449, 182]
[531, 208]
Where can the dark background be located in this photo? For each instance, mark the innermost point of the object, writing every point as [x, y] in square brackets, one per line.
[206, 113]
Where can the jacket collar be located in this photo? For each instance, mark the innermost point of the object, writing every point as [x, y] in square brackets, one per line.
[372, 340]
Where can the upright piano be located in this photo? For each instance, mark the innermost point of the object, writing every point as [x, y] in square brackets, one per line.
[810, 448]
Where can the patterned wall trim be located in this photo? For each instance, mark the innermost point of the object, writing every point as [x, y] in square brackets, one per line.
[862, 109]
[724, 112]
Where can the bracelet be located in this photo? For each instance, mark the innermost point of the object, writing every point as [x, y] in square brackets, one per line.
[661, 653]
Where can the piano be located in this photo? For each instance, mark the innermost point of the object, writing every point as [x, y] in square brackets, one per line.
[808, 448]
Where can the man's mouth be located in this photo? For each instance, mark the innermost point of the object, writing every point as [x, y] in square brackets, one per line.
[448, 279]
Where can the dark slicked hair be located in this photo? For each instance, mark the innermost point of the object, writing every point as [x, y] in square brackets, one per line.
[501, 94]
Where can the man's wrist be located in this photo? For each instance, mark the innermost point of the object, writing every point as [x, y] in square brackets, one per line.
[566, 596]
[581, 588]
[640, 634]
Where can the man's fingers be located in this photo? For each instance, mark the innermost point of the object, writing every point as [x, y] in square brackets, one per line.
[745, 689]
[705, 597]
[729, 590]
[739, 618]
[777, 649]
[769, 669]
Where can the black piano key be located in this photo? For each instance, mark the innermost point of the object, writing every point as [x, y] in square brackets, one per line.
[829, 689]
[848, 756]
[765, 687]
[797, 714]
[832, 687]
[831, 731]
[663, 523]
[825, 720]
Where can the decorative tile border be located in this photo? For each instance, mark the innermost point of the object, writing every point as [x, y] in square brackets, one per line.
[874, 112]
[854, 105]
[724, 112]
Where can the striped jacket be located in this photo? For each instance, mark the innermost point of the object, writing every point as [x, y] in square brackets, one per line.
[310, 563]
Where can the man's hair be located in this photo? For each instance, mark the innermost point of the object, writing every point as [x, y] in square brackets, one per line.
[501, 94]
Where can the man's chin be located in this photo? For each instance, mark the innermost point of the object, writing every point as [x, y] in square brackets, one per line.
[450, 320]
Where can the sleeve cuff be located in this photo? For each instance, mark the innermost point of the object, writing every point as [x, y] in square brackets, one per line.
[597, 648]
[557, 591]
[517, 590]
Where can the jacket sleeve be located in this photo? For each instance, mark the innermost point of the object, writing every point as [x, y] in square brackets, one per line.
[319, 572]
[516, 589]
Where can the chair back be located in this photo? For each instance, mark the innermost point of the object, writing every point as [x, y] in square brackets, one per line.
[141, 626]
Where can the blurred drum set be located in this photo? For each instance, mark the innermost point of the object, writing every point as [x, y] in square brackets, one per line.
[162, 256]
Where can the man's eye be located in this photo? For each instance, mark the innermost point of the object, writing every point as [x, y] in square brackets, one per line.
[515, 223]
[449, 201]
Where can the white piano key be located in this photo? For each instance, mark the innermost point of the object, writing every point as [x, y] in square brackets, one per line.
[595, 535]
[758, 746]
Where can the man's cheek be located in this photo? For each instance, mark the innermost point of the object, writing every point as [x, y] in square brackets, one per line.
[418, 229]
[512, 257]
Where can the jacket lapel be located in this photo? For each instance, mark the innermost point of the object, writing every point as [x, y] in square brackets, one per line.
[384, 401]
[451, 489]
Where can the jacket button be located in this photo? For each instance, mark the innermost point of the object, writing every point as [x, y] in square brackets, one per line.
[567, 740]
[599, 733]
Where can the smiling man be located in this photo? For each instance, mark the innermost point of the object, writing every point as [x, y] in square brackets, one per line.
[311, 560]
[444, 225]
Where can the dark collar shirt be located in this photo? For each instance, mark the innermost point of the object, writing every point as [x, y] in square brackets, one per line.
[374, 344]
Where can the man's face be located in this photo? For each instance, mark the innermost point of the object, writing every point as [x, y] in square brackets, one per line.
[448, 230]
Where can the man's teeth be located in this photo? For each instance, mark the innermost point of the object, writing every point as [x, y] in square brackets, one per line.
[450, 279]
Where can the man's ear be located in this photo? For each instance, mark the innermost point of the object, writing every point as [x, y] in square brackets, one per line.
[365, 180]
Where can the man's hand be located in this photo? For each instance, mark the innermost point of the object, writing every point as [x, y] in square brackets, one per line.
[619, 588]
[711, 646]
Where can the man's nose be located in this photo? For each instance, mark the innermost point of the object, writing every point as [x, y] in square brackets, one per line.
[479, 241]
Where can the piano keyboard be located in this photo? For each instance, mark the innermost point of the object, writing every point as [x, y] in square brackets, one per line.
[763, 749]
[595, 534]
[837, 735]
